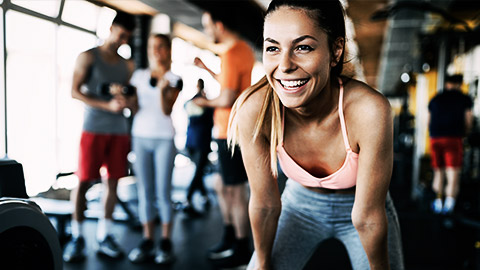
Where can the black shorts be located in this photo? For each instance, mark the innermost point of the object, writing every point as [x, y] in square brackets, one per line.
[231, 167]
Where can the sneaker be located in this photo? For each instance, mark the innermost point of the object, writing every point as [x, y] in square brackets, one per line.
[223, 249]
[74, 251]
[144, 252]
[109, 248]
[239, 259]
[448, 206]
[437, 206]
[164, 254]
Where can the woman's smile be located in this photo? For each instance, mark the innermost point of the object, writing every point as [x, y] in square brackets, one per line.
[292, 86]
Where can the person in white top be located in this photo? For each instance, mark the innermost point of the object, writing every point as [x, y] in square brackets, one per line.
[153, 145]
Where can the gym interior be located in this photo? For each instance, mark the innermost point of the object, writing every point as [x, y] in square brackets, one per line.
[405, 49]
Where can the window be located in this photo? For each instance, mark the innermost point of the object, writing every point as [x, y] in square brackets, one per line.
[31, 97]
[46, 7]
[69, 117]
[81, 13]
[2, 94]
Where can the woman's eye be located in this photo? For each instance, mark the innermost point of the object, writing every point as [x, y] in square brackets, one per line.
[271, 49]
[304, 48]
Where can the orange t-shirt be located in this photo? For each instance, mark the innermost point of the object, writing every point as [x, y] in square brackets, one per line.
[235, 75]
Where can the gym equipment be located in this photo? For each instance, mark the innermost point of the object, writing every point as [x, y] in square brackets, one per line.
[104, 90]
[27, 238]
[171, 82]
[12, 181]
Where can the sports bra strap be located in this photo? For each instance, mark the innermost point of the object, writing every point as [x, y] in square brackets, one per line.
[342, 118]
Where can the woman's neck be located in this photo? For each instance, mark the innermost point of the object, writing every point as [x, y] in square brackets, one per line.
[159, 70]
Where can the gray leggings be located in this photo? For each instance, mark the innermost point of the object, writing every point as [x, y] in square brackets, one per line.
[153, 169]
[308, 218]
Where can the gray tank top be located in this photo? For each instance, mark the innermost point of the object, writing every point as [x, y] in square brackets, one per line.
[97, 120]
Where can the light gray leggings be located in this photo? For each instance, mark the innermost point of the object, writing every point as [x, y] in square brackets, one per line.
[153, 169]
[308, 218]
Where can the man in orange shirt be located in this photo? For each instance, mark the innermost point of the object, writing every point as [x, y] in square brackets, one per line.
[235, 76]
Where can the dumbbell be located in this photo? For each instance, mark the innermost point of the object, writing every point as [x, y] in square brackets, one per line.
[104, 90]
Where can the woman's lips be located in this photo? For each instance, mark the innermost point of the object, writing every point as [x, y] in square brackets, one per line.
[292, 86]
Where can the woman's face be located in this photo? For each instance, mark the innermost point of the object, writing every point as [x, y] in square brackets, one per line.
[296, 56]
[158, 51]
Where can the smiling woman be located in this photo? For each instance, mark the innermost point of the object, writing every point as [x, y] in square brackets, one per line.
[333, 139]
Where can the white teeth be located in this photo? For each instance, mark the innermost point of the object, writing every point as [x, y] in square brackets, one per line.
[293, 83]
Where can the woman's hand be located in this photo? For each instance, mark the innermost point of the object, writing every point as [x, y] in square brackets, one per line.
[199, 63]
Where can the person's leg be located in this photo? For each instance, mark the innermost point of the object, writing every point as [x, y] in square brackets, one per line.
[200, 159]
[79, 201]
[234, 206]
[165, 153]
[438, 183]
[438, 165]
[453, 182]
[302, 226]
[454, 162]
[110, 197]
[118, 147]
[223, 197]
[144, 173]
[437, 186]
[91, 155]
[164, 158]
[452, 189]
[224, 248]
[238, 208]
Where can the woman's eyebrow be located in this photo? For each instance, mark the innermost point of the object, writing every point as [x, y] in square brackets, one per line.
[302, 38]
[295, 41]
[271, 40]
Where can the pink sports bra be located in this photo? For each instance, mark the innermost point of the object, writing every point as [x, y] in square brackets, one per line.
[343, 178]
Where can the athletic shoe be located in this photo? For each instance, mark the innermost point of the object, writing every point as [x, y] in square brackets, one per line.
[164, 254]
[75, 250]
[239, 259]
[109, 248]
[142, 253]
[437, 206]
[224, 248]
[448, 206]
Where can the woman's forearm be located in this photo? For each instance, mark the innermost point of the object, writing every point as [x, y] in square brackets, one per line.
[373, 235]
[264, 226]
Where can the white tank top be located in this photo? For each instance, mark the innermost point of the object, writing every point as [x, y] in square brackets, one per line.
[150, 121]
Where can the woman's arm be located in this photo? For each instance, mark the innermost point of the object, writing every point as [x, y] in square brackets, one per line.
[264, 206]
[168, 95]
[373, 131]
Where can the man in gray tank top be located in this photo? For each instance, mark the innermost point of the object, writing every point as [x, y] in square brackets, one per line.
[100, 81]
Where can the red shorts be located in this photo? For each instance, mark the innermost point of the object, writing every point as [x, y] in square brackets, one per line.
[103, 150]
[446, 152]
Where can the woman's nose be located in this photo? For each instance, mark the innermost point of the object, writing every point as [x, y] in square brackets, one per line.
[287, 64]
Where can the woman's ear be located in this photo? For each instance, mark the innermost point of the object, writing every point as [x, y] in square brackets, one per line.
[338, 47]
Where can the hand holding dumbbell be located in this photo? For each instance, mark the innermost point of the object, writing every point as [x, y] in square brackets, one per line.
[114, 89]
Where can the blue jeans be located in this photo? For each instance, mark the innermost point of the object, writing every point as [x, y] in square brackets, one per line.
[308, 218]
[153, 169]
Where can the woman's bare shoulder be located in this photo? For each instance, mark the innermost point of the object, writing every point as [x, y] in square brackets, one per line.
[361, 98]
[365, 107]
[250, 109]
